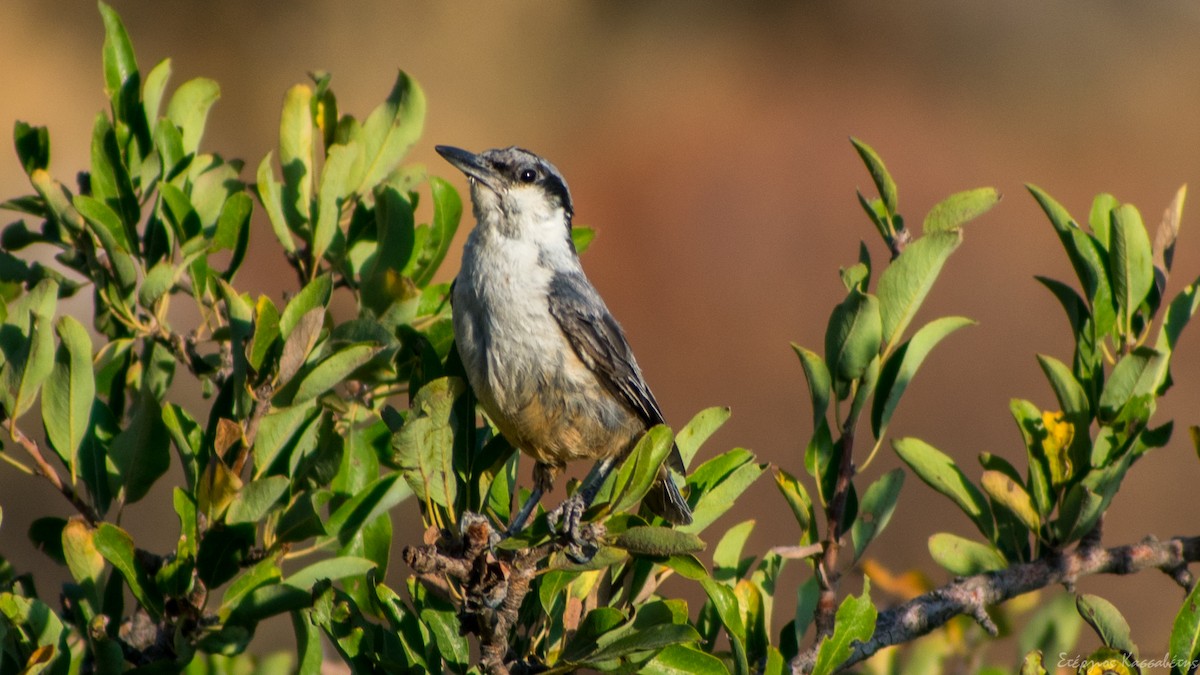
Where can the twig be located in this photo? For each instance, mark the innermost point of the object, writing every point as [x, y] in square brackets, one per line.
[972, 595]
[43, 468]
[184, 351]
[828, 574]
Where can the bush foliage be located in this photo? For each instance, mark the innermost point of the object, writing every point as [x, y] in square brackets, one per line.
[319, 425]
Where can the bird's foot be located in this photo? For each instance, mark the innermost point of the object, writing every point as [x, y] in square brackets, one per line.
[580, 541]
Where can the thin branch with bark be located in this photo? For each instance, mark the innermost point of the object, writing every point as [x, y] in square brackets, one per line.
[972, 595]
[43, 468]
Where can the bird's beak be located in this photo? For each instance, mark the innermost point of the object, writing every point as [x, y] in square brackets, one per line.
[470, 164]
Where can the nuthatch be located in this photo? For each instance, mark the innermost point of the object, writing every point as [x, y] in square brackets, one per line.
[547, 361]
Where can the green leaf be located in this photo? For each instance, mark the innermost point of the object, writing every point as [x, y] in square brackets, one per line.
[108, 228]
[1184, 644]
[1067, 390]
[819, 381]
[83, 559]
[902, 366]
[300, 521]
[581, 238]
[33, 146]
[335, 187]
[875, 510]
[29, 362]
[876, 211]
[281, 429]
[120, 65]
[153, 89]
[1100, 218]
[1179, 313]
[725, 602]
[69, 392]
[698, 430]
[423, 448]
[942, 474]
[266, 332]
[854, 622]
[1107, 621]
[368, 503]
[658, 541]
[233, 230]
[960, 208]
[255, 499]
[908, 279]
[719, 482]
[879, 175]
[158, 282]
[333, 569]
[446, 634]
[963, 557]
[797, 498]
[142, 452]
[315, 294]
[640, 469]
[1075, 306]
[394, 235]
[34, 623]
[595, 625]
[189, 108]
[1132, 265]
[391, 130]
[1138, 373]
[296, 155]
[681, 659]
[447, 212]
[117, 548]
[1087, 255]
[1012, 495]
[28, 348]
[263, 573]
[333, 370]
[727, 561]
[852, 339]
[271, 197]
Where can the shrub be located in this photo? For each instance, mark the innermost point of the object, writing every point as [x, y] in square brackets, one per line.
[318, 428]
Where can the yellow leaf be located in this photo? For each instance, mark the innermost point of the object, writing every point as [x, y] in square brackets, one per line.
[217, 489]
[1059, 434]
[906, 586]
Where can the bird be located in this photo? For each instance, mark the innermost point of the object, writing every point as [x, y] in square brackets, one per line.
[548, 363]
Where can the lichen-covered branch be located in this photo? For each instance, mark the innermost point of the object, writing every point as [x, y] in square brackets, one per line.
[971, 595]
[493, 583]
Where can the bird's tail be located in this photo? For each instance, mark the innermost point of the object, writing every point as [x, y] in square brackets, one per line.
[664, 499]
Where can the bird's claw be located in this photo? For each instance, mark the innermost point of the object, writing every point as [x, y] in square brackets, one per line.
[580, 542]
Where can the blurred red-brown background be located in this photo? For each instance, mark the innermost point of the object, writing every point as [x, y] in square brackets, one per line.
[707, 143]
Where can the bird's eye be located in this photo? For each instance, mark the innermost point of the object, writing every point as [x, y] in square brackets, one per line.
[528, 176]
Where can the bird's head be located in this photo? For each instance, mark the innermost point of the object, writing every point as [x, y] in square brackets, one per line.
[513, 188]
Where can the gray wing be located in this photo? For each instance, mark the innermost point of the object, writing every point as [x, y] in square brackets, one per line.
[600, 343]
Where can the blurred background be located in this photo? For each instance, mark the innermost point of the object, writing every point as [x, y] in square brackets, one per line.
[708, 145]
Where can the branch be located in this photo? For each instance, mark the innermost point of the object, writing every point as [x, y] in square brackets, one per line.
[493, 584]
[827, 572]
[44, 469]
[972, 595]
